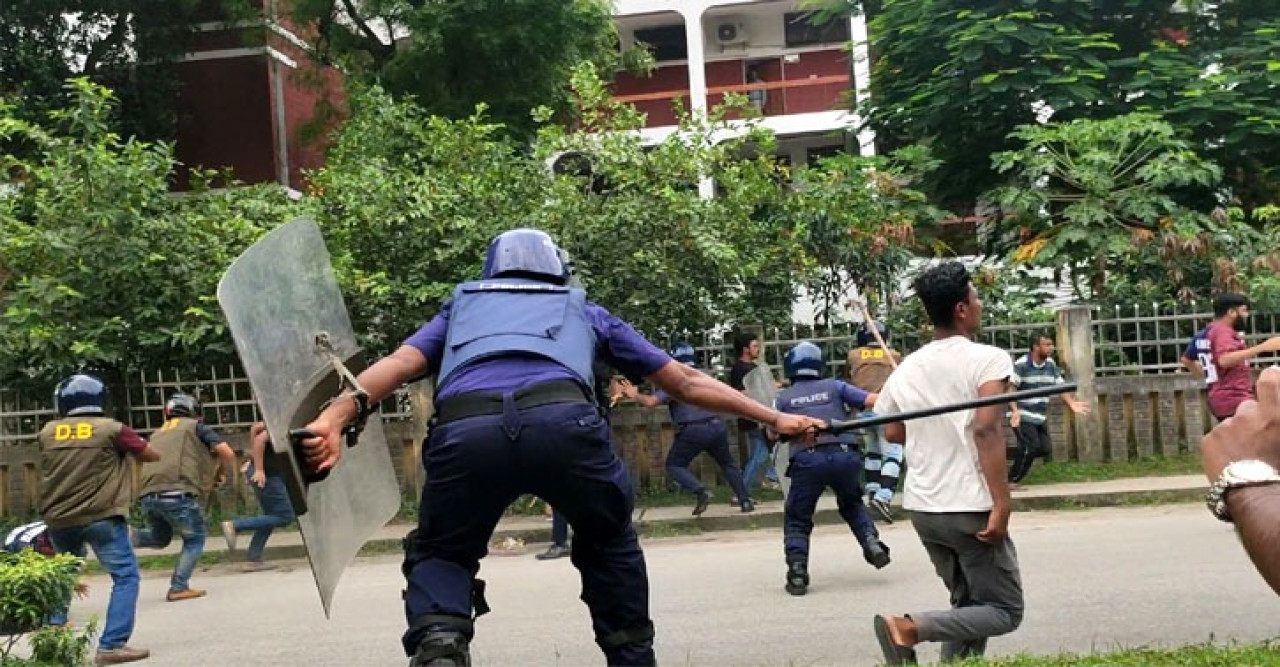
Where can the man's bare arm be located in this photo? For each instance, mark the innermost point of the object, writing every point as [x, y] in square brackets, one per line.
[1256, 513]
[988, 436]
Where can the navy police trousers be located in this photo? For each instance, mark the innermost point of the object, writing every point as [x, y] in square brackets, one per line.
[476, 467]
[812, 471]
[712, 437]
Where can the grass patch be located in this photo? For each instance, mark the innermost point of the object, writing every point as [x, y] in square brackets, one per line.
[163, 562]
[1076, 471]
[667, 529]
[1201, 655]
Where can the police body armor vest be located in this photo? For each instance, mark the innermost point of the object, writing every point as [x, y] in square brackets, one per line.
[819, 399]
[83, 476]
[685, 413]
[185, 464]
[504, 316]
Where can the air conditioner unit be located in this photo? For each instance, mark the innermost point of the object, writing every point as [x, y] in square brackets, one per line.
[729, 33]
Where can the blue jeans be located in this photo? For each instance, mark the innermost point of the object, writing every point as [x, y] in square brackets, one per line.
[273, 500]
[476, 467]
[169, 514]
[109, 539]
[758, 458]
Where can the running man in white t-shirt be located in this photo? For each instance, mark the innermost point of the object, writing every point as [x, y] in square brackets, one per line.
[957, 491]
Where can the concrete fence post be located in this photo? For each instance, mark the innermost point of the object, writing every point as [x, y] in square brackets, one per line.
[1075, 342]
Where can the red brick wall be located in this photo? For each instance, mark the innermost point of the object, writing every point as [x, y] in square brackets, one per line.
[224, 118]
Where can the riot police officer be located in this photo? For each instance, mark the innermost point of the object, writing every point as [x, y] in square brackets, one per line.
[831, 461]
[697, 430]
[869, 368]
[85, 479]
[515, 414]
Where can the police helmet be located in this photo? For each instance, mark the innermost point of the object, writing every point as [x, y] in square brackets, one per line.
[183, 405]
[684, 353]
[867, 339]
[803, 361]
[81, 395]
[527, 253]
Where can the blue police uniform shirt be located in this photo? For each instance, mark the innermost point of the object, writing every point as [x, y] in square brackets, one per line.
[851, 395]
[618, 344]
[684, 413]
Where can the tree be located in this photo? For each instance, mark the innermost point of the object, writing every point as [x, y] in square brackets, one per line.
[452, 55]
[857, 217]
[120, 44]
[99, 265]
[961, 77]
[1089, 196]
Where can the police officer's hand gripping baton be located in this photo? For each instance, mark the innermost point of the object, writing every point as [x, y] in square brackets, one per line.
[840, 426]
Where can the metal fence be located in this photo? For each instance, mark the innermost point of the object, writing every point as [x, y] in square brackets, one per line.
[1134, 340]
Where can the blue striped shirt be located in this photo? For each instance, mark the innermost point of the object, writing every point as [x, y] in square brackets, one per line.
[1028, 375]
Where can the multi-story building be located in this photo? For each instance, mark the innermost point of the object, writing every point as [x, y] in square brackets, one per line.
[798, 74]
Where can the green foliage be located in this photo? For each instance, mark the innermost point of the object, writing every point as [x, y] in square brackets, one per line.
[509, 55]
[99, 265]
[857, 218]
[1260, 654]
[961, 76]
[33, 586]
[116, 43]
[1095, 194]
[59, 647]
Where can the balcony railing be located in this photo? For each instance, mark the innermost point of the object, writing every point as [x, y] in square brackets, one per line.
[791, 96]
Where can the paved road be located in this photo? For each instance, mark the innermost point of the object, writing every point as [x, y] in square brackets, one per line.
[1094, 579]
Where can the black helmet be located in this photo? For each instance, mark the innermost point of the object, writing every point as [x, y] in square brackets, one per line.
[528, 252]
[81, 395]
[867, 339]
[183, 405]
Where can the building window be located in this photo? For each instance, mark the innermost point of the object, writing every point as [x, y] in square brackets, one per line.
[801, 31]
[667, 42]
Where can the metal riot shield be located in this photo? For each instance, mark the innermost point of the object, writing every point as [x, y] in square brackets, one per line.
[290, 325]
[760, 386]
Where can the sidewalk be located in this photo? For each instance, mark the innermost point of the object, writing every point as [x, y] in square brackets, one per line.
[677, 519]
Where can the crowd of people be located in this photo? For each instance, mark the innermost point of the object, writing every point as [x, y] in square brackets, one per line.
[522, 407]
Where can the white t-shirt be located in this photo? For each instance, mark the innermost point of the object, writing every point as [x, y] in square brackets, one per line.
[943, 473]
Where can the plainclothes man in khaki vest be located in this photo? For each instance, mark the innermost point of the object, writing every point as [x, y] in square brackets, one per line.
[172, 486]
[85, 496]
[869, 368]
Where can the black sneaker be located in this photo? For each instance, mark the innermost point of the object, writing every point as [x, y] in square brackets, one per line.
[882, 509]
[748, 506]
[554, 551]
[704, 499]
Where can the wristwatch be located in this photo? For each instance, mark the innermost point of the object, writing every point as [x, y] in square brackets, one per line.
[1237, 474]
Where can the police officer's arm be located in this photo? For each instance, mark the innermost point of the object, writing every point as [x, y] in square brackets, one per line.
[688, 385]
[380, 380]
[227, 456]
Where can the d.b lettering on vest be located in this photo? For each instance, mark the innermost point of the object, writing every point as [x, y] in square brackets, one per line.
[819, 399]
[511, 315]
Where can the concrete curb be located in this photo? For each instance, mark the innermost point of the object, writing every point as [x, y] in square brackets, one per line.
[772, 518]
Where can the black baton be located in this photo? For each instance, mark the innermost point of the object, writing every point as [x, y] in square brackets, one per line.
[839, 426]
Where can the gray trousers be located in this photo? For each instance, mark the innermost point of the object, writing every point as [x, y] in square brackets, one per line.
[985, 585]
